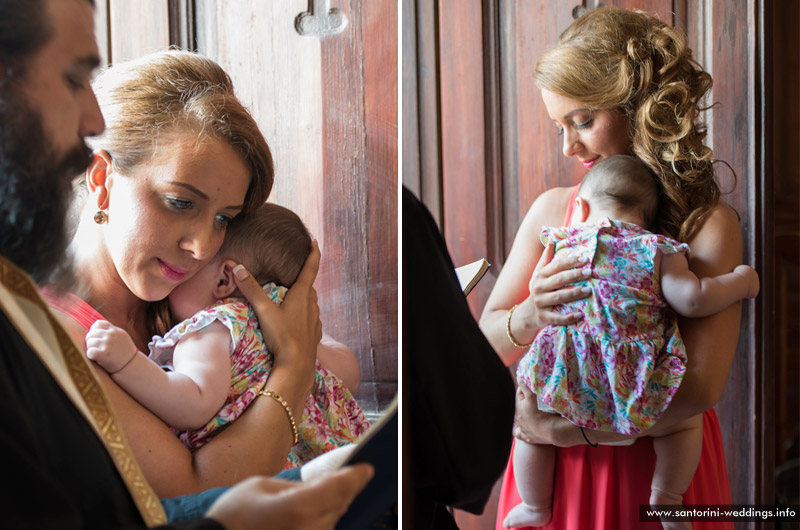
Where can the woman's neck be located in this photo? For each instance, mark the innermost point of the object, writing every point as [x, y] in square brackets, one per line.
[103, 289]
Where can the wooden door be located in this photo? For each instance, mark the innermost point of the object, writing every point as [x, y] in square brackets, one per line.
[320, 78]
[479, 148]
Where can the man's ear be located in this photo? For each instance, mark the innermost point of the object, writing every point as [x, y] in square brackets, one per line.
[582, 205]
[225, 285]
[97, 177]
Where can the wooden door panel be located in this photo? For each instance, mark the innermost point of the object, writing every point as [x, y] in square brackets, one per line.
[462, 125]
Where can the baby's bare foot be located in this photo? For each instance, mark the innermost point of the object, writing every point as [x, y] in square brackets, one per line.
[523, 515]
[661, 498]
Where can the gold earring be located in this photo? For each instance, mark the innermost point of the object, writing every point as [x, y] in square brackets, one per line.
[100, 217]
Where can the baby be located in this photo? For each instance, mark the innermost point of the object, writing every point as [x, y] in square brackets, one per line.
[618, 368]
[205, 371]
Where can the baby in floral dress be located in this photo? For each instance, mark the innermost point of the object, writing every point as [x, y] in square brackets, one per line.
[225, 370]
[619, 367]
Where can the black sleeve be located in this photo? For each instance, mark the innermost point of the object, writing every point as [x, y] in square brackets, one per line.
[54, 471]
[460, 396]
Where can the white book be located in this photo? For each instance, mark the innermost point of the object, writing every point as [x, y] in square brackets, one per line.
[469, 275]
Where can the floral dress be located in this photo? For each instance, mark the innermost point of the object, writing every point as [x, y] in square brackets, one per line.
[618, 368]
[331, 417]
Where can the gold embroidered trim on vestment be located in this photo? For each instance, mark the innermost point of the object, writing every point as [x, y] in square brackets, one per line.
[93, 394]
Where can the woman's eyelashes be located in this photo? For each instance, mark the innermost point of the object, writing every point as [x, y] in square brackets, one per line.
[179, 204]
[578, 125]
[223, 220]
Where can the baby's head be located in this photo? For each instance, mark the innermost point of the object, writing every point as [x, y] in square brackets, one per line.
[271, 242]
[621, 187]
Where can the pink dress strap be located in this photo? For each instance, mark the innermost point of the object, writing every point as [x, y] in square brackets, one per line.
[571, 205]
[68, 303]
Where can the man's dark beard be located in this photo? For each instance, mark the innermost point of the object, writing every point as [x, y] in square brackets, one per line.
[35, 192]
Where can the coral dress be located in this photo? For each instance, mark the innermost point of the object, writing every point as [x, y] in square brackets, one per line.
[618, 368]
[602, 488]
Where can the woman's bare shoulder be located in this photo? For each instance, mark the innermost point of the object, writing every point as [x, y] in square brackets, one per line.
[721, 225]
[75, 330]
[717, 247]
[549, 208]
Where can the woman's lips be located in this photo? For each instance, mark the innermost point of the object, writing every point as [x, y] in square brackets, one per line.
[589, 163]
[172, 272]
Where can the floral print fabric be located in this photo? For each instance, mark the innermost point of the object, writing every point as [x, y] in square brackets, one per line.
[618, 368]
[331, 417]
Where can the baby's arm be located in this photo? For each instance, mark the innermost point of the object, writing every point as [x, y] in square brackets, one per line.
[693, 297]
[186, 398]
[340, 360]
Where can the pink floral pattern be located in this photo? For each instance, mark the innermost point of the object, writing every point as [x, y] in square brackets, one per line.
[618, 369]
[331, 417]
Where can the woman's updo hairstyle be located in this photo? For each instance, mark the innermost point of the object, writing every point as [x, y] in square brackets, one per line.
[612, 58]
[149, 96]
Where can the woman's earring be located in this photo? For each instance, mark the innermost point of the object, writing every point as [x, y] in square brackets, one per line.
[100, 217]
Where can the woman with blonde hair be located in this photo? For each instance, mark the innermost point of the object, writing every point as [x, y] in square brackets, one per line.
[179, 158]
[621, 82]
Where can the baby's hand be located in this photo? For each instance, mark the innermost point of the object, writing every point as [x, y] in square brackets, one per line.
[751, 278]
[109, 346]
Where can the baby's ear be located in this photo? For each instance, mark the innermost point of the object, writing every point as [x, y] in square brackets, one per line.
[582, 205]
[225, 283]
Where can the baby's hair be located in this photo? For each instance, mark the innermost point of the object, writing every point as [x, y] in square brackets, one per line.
[271, 242]
[623, 182]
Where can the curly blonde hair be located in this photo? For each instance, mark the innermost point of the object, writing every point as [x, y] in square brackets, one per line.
[612, 58]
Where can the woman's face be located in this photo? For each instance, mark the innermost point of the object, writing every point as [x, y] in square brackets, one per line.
[168, 218]
[589, 135]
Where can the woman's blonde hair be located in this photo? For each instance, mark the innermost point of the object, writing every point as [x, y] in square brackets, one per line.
[612, 58]
[142, 98]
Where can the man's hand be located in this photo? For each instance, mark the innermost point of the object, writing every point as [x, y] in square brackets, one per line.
[261, 502]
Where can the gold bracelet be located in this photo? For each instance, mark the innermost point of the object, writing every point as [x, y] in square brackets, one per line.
[508, 330]
[282, 402]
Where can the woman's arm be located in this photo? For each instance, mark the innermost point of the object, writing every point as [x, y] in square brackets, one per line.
[534, 292]
[258, 442]
[710, 341]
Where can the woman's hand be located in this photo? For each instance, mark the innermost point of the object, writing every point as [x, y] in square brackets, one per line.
[292, 330]
[549, 287]
[536, 427]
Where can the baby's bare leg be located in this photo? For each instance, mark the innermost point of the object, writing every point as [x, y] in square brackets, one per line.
[534, 466]
[677, 457]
